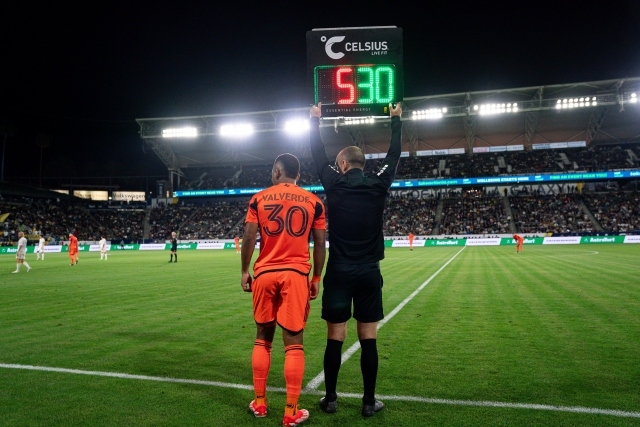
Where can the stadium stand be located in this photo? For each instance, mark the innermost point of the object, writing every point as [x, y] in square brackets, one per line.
[165, 219]
[474, 214]
[558, 213]
[217, 220]
[593, 158]
[463, 213]
[209, 178]
[408, 215]
[118, 224]
[615, 211]
[54, 219]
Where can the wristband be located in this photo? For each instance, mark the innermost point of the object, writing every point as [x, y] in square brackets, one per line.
[316, 279]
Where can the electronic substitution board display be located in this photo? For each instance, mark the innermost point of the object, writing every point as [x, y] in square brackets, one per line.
[355, 72]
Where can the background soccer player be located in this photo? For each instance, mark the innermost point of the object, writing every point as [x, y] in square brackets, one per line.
[519, 243]
[356, 204]
[40, 250]
[20, 254]
[174, 247]
[286, 215]
[411, 237]
[103, 248]
[73, 249]
[237, 241]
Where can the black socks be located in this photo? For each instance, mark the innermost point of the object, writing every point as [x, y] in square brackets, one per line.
[332, 360]
[369, 367]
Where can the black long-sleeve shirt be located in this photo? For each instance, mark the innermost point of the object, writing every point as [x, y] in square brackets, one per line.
[356, 201]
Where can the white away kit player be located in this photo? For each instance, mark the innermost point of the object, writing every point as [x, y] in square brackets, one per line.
[22, 250]
[103, 248]
[40, 249]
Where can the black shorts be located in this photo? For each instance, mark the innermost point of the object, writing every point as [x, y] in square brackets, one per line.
[357, 283]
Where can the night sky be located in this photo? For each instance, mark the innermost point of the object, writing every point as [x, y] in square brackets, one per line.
[82, 74]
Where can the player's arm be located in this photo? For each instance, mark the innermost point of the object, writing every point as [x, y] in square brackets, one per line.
[249, 240]
[387, 171]
[324, 167]
[319, 256]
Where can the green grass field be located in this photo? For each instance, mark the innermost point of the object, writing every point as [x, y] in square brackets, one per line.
[557, 325]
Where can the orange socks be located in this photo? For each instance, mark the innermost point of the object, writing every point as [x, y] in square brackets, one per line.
[261, 362]
[293, 373]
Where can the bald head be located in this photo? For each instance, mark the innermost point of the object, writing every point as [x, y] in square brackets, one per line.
[349, 158]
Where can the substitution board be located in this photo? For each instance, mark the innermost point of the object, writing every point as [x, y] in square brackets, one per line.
[355, 72]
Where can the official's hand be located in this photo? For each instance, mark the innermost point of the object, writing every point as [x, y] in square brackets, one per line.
[395, 111]
[246, 282]
[316, 111]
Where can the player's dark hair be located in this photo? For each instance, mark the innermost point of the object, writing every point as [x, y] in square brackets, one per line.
[289, 164]
[354, 156]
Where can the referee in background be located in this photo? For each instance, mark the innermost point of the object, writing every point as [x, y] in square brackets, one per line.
[174, 247]
[356, 204]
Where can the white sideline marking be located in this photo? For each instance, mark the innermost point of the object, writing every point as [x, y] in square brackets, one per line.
[319, 379]
[576, 409]
[131, 377]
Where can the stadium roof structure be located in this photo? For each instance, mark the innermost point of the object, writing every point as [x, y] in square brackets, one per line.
[606, 111]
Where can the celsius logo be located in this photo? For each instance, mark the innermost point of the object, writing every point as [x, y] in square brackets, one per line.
[376, 48]
[329, 43]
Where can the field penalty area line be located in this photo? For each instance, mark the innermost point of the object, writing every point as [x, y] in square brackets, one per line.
[508, 405]
[319, 379]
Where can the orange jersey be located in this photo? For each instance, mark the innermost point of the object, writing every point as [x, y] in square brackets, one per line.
[411, 236]
[285, 214]
[519, 240]
[73, 243]
[237, 240]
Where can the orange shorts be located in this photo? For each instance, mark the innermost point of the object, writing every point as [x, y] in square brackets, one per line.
[282, 296]
[73, 252]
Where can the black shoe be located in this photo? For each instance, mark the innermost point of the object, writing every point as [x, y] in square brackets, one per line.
[369, 410]
[327, 406]
[170, 261]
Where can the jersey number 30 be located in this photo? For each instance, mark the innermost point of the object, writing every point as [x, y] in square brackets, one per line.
[287, 222]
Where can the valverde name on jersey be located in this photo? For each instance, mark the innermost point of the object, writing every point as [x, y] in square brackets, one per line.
[285, 196]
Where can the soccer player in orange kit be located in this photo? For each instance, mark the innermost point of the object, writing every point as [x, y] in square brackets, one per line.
[519, 243]
[411, 237]
[286, 215]
[237, 241]
[73, 249]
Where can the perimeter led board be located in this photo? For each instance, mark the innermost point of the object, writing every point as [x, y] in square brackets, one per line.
[450, 182]
[355, 72]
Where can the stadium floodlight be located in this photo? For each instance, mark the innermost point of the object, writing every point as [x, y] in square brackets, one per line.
[584, 101]
[236, 130]
[430, 114]
[296, 126]
[492, 109]
[633, 98]
[358, 120]
[186, 132]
